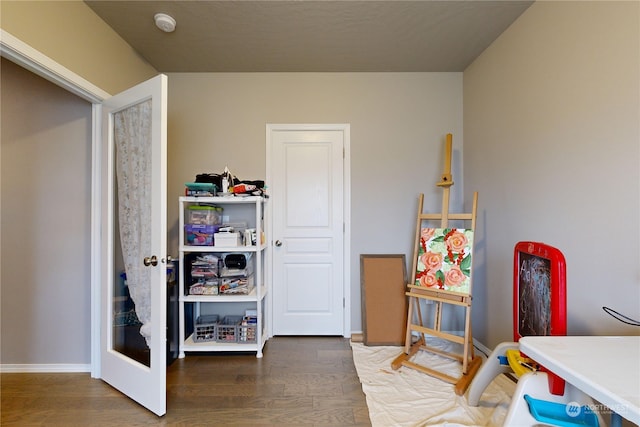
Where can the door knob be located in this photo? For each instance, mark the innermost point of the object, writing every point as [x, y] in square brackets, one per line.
[150, 261]
[278, 243]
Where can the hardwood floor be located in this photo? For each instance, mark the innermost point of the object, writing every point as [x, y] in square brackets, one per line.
[300, 381]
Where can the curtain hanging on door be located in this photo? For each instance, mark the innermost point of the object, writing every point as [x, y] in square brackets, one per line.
[132, 128]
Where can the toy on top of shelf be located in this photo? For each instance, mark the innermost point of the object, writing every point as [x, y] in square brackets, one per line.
[200, 189]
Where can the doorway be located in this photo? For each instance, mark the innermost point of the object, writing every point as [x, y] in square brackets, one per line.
[46, 195]
[309, 217]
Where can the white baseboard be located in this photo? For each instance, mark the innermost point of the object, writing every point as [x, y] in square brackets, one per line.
[45, 368]
[483, 348]
[356, 336]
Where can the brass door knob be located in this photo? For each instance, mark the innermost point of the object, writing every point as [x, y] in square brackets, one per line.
[150, 261]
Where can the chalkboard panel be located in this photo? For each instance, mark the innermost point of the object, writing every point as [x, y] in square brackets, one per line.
[539, 294]
[383, 280]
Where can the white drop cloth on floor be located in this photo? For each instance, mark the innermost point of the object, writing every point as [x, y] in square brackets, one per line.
[407, 397]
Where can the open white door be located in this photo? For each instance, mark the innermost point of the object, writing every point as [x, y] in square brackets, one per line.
[133, 313]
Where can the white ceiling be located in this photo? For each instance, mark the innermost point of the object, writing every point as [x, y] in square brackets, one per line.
[311, 35]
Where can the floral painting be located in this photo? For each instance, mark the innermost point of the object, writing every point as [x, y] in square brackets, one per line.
[444, 259]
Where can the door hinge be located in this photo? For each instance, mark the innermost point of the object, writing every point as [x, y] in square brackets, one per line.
[344, 304]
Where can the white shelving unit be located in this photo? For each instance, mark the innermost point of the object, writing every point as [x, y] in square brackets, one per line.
[237, 209]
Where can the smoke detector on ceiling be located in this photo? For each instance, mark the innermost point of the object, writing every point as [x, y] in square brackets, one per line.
[165, 22]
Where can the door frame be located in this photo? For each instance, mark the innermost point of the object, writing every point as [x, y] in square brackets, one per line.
[35, 61]
[346, 198]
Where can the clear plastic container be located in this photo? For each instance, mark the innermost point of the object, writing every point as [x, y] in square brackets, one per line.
[204, 215]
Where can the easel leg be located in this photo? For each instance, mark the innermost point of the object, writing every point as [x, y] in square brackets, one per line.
[470, 364]
[437, 322]
[419, 310]
[467, 329]
[407, 341]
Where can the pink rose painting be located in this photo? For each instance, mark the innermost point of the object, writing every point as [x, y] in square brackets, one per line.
[444, 259]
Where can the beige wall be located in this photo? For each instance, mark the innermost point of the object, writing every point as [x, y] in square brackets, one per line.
[70, 33]
[551, 122]
[45, 224]
[398, 127]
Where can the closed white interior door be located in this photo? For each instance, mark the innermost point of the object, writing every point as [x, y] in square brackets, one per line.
[133, 321]
[307, 200]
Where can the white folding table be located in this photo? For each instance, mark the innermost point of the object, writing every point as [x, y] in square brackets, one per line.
[607, 368]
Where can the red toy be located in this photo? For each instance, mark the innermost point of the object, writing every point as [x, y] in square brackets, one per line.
[539, 296]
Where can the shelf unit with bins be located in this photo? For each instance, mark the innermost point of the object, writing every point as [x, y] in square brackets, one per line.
[251, 210]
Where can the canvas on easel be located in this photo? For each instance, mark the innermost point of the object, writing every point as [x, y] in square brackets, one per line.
[444, 259]
[441, 275]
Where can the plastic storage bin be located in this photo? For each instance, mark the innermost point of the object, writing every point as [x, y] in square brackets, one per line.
[204, 266]
[227, 329]
[205, 328]
[204, 287]
[247, 330]
[236, 285]
[204, 215]
[199, 234]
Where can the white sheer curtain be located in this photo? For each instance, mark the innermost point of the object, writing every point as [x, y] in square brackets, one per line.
[132, 128]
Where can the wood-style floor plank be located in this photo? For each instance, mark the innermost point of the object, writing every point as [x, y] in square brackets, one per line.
[300, 381]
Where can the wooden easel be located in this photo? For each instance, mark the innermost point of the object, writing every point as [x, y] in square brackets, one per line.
[470, 362]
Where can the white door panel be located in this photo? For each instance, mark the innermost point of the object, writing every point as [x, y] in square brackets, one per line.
[127, 362]
[308, 186]
[307, 200]
[311, 293]
[311, 246]
[309, 307]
